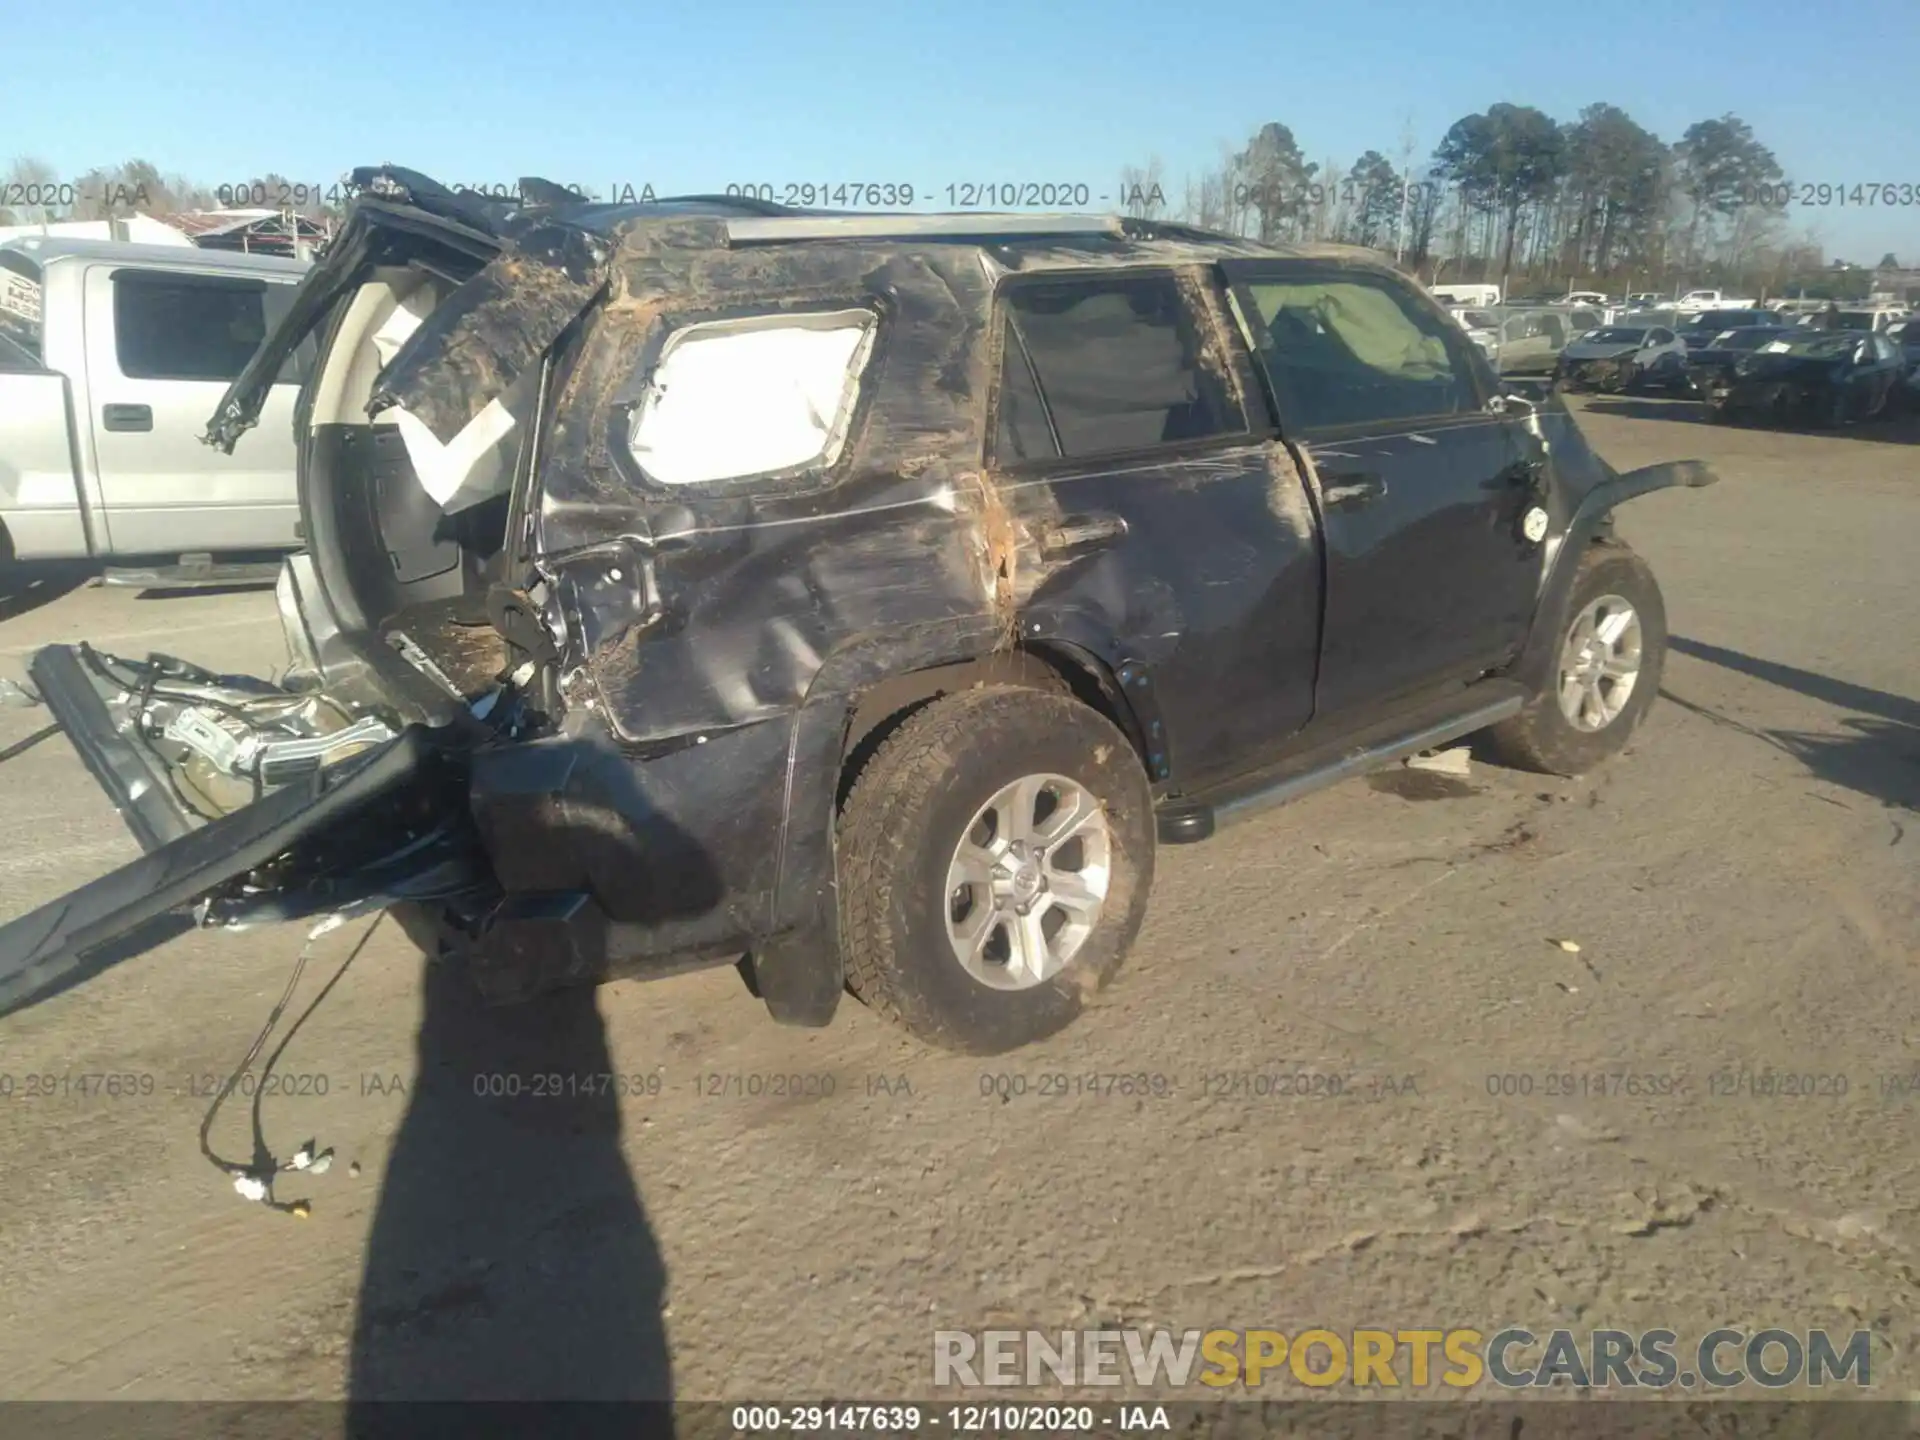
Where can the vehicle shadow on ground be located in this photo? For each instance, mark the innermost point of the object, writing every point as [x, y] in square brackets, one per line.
[27, 588]
[175, 592]
[1691, 412]
[510, 1256]
[1878, 755]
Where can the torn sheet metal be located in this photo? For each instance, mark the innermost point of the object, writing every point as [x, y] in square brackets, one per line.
[494, 328]
[376, 233]
[760, 585]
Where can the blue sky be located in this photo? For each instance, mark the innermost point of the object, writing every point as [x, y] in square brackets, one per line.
[935, 93]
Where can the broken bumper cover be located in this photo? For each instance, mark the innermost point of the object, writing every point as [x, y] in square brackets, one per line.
[363, 833]
[132, 778]
[1613, 373]
[553, 862]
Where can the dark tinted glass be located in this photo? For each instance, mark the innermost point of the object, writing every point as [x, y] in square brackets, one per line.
[1119, 365]
[167, 328]
[1022, 432]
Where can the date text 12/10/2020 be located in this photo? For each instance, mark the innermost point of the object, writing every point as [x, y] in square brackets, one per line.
[1148, 198]
[800, 194]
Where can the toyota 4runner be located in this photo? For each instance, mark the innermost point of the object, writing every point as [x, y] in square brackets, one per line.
[857, 598]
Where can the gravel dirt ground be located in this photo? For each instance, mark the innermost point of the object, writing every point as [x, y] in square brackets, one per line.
[1740, 885]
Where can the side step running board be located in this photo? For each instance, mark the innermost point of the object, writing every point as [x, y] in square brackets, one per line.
[1187, 819]
[194, 572]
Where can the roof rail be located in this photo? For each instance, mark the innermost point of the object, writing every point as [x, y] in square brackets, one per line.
[947, 226]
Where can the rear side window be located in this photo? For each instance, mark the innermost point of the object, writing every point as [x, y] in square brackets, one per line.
[765, 397]
[1117, 364]
[177, 327]
[1354, 350]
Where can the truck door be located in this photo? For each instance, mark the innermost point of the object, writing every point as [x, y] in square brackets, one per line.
[162, 347]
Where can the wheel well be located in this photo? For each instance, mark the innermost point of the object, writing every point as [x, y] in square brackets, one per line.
[886, 706]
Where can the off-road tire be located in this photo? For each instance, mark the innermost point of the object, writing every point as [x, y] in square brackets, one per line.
[896, 838]
[1540, 737]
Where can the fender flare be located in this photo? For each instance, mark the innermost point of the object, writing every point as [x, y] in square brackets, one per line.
[1591, 521]
[795, 964]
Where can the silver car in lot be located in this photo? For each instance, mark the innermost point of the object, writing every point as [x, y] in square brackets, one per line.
[1624, 357]
[1526, 340]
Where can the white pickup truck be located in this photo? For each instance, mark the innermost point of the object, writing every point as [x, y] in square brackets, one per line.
[111, 358]
[1713, 300]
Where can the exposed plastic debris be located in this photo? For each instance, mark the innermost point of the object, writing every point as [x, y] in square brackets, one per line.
[1456, 761]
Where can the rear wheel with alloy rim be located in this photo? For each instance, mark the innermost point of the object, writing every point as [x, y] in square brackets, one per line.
[994, 858]
[1028, 882]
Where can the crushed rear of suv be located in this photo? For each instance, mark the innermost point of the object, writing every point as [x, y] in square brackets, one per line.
[857, 598]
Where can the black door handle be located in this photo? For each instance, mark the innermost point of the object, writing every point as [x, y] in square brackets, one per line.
[1354, 491]
[126, 417]
[1081, 532]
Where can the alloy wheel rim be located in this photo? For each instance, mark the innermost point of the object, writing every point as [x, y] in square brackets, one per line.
[1028, 882]
[1600, 663]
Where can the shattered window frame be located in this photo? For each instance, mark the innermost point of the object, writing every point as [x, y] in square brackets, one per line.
[825, 469]
[1203, 351]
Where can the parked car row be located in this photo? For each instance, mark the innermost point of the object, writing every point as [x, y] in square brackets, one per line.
[1779, 373]
[1827, 378]
[1523, 340]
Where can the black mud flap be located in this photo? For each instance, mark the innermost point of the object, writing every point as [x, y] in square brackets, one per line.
[390, 823]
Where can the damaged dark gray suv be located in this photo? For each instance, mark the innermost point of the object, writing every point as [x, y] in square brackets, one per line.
[858, 598]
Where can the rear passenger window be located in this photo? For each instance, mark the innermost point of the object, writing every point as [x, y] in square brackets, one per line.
[181, 327]
[1117, 365]
[1356, 351]
[756, 398]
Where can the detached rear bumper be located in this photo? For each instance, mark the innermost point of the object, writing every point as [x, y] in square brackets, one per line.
[132, 778]
[559, 861]
[44, 950]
